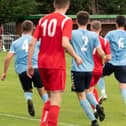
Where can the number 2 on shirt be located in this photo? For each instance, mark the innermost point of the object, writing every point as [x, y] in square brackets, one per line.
[85, 40]
[51, 30]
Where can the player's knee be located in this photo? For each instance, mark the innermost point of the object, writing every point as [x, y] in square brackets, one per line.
[122, 85]
[81, 96]
[56, 98]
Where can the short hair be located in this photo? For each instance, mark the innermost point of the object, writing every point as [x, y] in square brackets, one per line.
[121, 21]
[61, 3]
[82, 17]
[96, 25]
[27, 26]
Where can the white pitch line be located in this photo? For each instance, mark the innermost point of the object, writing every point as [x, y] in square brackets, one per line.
[31, 119]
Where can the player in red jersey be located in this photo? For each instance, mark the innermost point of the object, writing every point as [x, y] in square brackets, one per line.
[55, 31]
[98, 63]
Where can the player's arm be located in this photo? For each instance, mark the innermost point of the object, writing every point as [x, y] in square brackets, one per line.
[6, 65]
[108, 57]
[36, 36]
[107, 51]
[98, 47]
[66, 44]
[104, 57]
[31, 48]
[101, 52]
[67, 32]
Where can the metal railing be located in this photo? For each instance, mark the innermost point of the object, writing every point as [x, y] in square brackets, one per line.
[6, 40]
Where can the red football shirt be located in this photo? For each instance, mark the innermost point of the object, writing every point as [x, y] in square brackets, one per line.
[98, 65]
[51, 28]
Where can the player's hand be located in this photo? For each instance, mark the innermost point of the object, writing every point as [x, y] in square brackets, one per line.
[3, 76]
[78, 60]
[30, 71]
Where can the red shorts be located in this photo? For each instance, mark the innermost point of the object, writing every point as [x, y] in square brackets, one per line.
[53, 79]
[95, 78]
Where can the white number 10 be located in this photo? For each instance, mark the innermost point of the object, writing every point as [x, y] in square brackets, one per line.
[51, 27]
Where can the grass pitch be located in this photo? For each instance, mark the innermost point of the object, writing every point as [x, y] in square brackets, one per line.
[13, 109]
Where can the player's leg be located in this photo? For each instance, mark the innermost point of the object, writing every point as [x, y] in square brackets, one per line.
[92, 100]
[55, 103]
[123, 93]
[39, 85]
[92, 89]
[78, 86]
[95, 92]
[108, 69]
[101, 85]
[94, 80]
[43, 94]
[99, 109]
[57, 81]
[27, 87]
[54, 83]
[120, 73]
[87, 108]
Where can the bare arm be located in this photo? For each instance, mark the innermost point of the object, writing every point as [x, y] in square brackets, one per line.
[30, 69]
[103, 56]
[101, 53]
[66, 44]
[6, 65]
[108, 57]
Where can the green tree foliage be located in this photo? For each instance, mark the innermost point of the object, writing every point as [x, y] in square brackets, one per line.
[77, 5]
[44, 6]
[13, 10]
[92, 6]
[112, 6]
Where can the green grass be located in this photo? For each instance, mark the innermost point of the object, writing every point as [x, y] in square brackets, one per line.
[12, 102]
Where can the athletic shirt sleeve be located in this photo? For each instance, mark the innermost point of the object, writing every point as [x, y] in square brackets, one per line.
[96, 42]
[107, 47]
[67, 26]
[37, 32]
[12, 48]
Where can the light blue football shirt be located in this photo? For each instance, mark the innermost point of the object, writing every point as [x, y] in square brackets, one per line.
[83, 42]
[20, 49]
[117, 40]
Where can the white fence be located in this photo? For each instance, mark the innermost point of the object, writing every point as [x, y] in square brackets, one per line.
[9, 28]
[7, 40]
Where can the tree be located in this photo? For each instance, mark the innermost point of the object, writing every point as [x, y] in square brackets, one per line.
[13, 10]
[44, 6]
[77, 5]
[112, 6]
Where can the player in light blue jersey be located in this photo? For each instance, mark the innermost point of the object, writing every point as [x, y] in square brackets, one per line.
[19, 50]
[117, 40]
[83, 42]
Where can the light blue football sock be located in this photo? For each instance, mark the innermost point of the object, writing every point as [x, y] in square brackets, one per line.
[123, 93]
[28, 95]
[44, 97]
[87, 109]
[91, 98]
[101, 84]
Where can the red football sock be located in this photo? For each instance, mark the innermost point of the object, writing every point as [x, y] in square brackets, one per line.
[45, 113]
[53, 115]
[96, 94]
